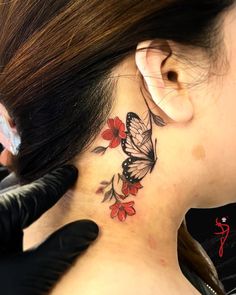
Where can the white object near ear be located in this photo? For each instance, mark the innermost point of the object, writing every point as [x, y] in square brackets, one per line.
[9, 136]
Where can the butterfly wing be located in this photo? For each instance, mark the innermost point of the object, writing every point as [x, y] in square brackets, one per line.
[140, 133]
[134, 169]
[138, 142]
[131, 149]
[139, 147]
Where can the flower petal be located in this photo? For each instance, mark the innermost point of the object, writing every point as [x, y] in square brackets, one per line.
[114, 211]
[122, 134]
[122, 214]
[131, 203]
[125, 191]
[117, 122]
[133, 190]
[138, 185]
[110, 123]
[125, 188]
[122, 127]
[107, 134]
[130, 211]
[114, 142]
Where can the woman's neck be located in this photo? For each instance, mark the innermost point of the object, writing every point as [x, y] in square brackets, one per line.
[139, 252]
[139, 257]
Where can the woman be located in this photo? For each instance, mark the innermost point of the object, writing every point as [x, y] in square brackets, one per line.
[139, 95]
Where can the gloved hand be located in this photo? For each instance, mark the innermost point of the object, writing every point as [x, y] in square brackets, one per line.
[35, 271]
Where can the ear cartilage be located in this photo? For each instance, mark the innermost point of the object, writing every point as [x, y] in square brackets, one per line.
[9, 138]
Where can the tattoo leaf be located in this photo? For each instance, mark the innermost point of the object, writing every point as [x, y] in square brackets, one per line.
[105, 183]
[158, 120]
[99, 150]
[108, 195]
[100, 190]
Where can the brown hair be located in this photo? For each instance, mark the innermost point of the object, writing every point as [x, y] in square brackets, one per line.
[56, 58]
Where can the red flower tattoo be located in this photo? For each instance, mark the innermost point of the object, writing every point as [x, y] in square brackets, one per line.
[121, 210]
[136, 142]
[130, 188]
[115, 132]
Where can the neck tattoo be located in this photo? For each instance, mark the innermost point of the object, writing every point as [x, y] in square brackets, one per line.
[135, 139]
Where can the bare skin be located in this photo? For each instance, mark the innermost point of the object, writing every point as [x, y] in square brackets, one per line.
[195, 168]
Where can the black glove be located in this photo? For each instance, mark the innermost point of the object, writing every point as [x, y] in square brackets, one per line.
[35, 271]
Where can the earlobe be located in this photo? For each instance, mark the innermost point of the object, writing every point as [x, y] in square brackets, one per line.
[169, 96]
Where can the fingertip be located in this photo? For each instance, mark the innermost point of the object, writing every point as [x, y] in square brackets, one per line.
[92, 229]
[85, 227]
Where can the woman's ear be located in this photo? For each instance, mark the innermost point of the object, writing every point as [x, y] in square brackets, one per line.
[162, 74]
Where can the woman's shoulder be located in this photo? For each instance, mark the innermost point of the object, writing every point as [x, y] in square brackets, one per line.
[98, 280]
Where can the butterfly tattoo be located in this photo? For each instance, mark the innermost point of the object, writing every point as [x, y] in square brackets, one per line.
[139, 147]
[135, 138]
